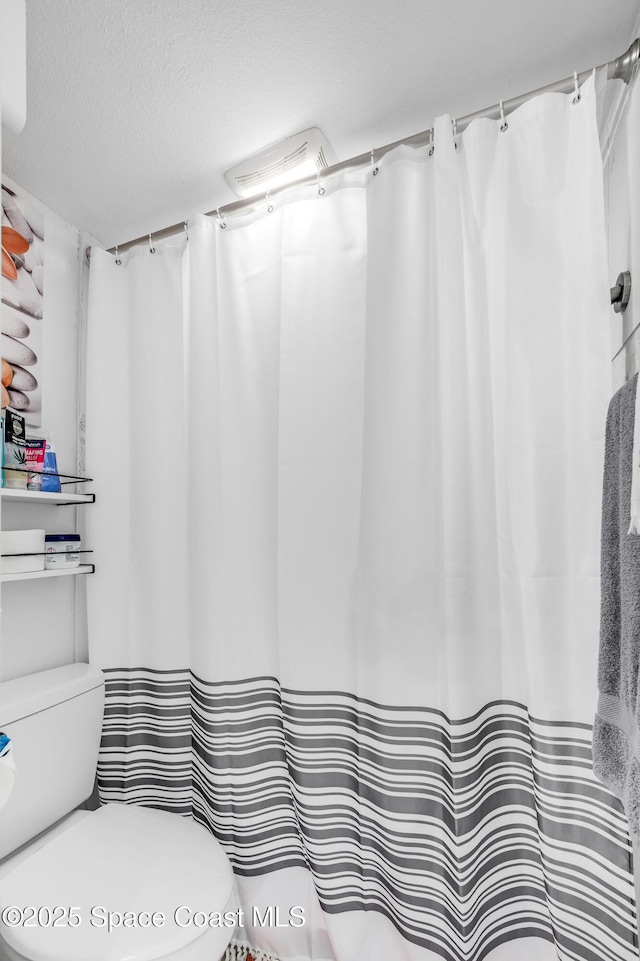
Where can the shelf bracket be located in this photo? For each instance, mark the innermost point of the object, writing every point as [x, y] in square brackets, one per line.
[76, 503]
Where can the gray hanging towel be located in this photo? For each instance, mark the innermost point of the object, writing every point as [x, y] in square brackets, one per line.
[616, 732]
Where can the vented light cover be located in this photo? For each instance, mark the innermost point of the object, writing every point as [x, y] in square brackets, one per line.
[303, 155]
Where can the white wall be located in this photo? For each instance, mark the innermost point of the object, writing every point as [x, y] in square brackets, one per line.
[42, 620]
[622, 204]
[13, 64]
[622, 197]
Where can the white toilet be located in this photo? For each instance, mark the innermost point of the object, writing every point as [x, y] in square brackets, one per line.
[122, 883]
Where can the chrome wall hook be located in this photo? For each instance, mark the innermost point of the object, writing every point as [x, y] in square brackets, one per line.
[454, 128]
[152, 249]
[621, 293]
[374, 168]
[118, 260]
[268, 203]
[320, 188]
[221, 223]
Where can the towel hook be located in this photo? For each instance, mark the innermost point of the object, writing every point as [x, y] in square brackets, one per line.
[268, 203]
[152, 249]
[454, 127]
[118, 261]
[621, 293]
[374, 168]
[221, 223]
[320, 189]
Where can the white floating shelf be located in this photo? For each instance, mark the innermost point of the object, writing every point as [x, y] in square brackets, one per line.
[82, 569]
[18, 495]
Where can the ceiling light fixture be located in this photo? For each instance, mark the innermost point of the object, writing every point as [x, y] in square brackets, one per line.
[305, 154]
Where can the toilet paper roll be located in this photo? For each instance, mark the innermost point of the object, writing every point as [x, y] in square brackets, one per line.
[7, 777]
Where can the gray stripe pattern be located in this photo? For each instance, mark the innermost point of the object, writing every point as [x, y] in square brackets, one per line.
[465, 833]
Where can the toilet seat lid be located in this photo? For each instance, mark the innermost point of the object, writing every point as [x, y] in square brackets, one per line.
[130, 862]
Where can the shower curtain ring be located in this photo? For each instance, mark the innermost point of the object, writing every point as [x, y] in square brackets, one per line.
[118, 261]
[374, 168]
[504, 125]
[320, 189]
[578, 96]
[221, 223]
[152, 249]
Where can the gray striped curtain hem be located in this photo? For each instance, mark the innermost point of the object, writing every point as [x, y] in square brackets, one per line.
[465, 833]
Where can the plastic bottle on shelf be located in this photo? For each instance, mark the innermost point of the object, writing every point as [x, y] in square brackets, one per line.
[50, 476]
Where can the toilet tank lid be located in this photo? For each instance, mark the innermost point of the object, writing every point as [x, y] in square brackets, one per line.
[23, 696]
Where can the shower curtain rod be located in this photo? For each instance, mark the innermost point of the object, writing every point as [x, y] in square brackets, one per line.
[622, 68]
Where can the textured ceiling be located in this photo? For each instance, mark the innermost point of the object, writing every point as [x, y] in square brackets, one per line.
[137, 107]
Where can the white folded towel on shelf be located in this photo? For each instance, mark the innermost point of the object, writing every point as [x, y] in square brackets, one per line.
[634, 526]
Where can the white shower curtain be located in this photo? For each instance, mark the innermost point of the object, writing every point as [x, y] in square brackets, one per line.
[348, 460]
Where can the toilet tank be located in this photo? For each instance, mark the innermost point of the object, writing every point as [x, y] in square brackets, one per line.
[54, 720]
